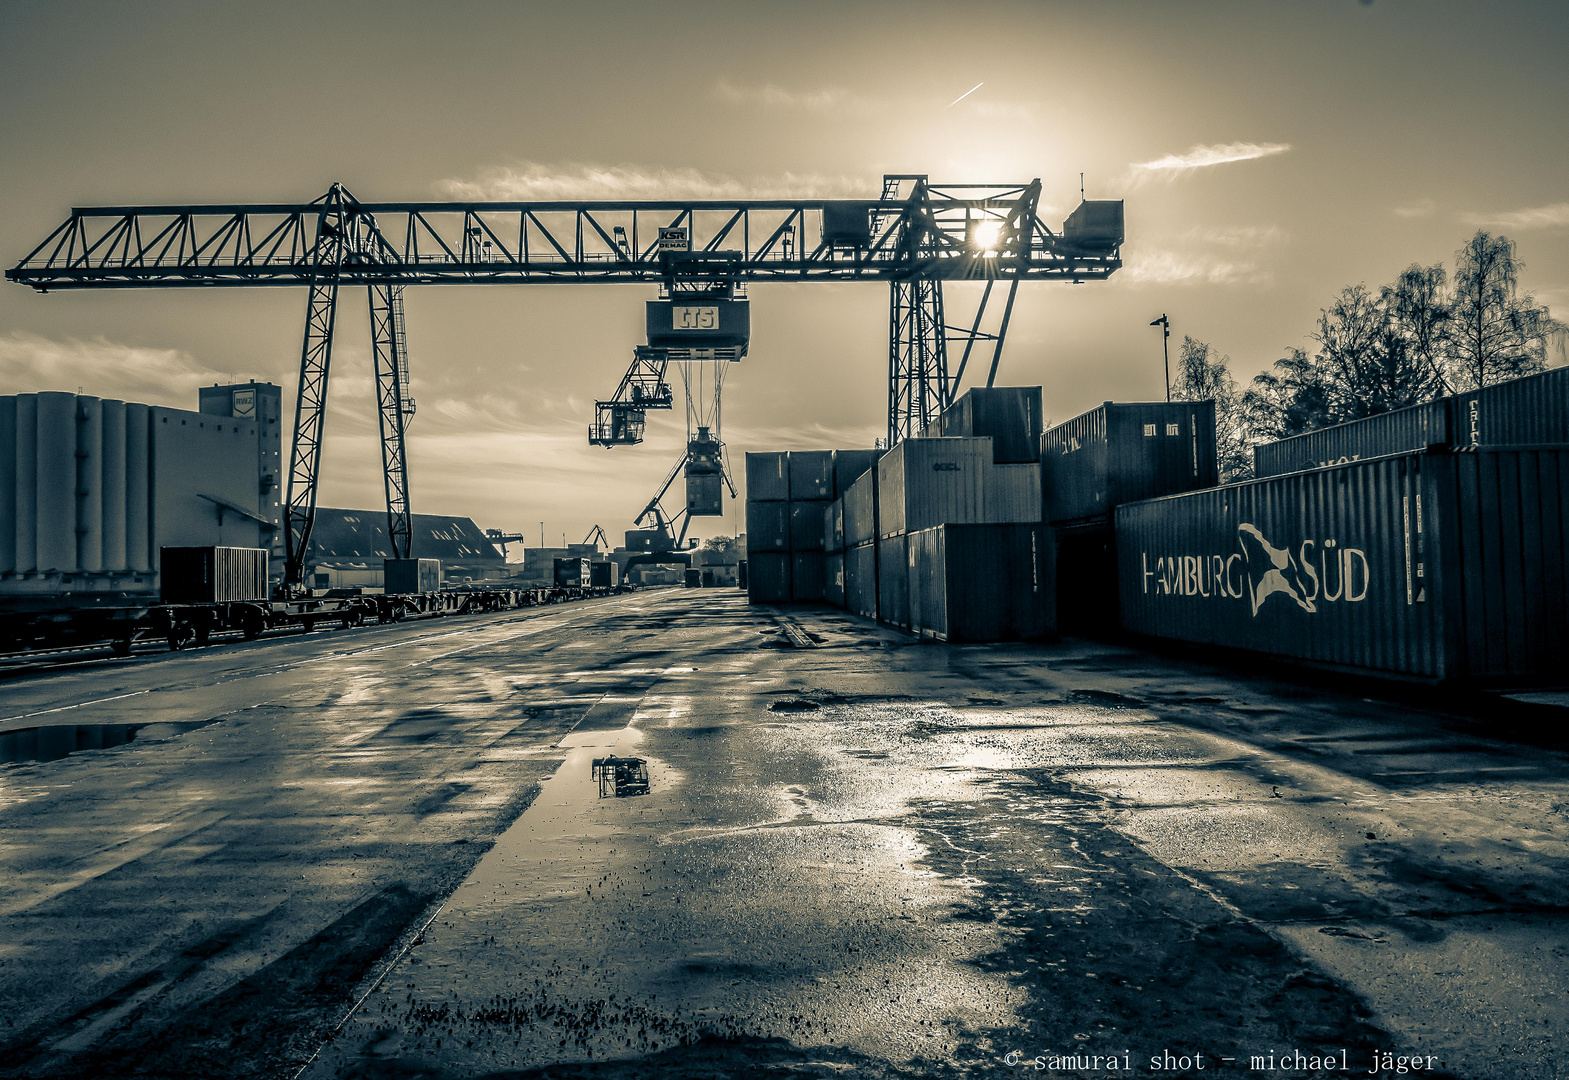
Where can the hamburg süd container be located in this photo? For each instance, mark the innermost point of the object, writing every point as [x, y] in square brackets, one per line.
[926, 482]
[860, 579]
[768, 577]
[1008, 415]
[1124, 452]
[893, 581]
[1013, 494]
[806, 525]
[412, 576]
[982, 582]
[811, 475]
[833, 579]
[1435, 565]
[851, 465]
[767, 526]
[212, 575]
[860, 509]
[573, 573]
[808, 576]
[768, 477]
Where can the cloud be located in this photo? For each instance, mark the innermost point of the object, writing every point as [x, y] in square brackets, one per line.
[534, 182]
[30, 363]
[1553, 216]
[1201, 157]
[1183, 268]
[776, 97]
[1420, 209]
[1237, 236]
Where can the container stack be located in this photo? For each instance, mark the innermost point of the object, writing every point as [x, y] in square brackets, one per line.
[789, 499]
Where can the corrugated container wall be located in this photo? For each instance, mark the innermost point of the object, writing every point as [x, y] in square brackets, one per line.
[1397, 432]
[833, 526]
[413, 575]
[205, 575]
[851, 465]
[811, 474]
[1008, 415]
[1435, 565]
[860, 579]
[893, 581]
[1013, 494]
[982, 583]
[768, 477]
[604, 575]
[1125, 452]
[833, 579]
[806, 525]
[1521, 412]
[860, 510]
[768, 577]
[767, 526]
[926, 482]
[808, 574]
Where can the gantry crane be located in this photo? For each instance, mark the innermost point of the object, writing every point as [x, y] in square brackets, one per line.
[916, 236]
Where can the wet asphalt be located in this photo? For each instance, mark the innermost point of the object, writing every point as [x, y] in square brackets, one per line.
[380, 853]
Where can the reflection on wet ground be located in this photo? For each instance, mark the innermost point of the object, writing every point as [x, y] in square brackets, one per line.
[56, 741]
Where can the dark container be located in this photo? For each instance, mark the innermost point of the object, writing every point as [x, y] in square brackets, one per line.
[927, 482]
[705, 494]
[1095, 227]
[860, 579]
[212, 575]
[574, 572]
[1087, 579]
[806, 525]
[808, 576]
[694, 577]
[410, 576]
[768, 477]
[604, 575]
[1433, 565]
[851, 465]
[1521, 412]
[833, 526]
[833, 579]
[698, 323]
[767, 526]
[1123, 453]
[893, 581]
[982, 583]
[768, 577]
[1398, 432]
[1008, 415]
[860, 509]
[740, 574]
[811, 474]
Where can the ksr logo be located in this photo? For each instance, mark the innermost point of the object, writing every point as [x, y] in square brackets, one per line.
[1318, 571]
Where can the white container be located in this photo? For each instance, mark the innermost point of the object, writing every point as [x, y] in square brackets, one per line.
[927, 482]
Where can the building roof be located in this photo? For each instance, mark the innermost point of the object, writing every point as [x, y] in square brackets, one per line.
[362, 534]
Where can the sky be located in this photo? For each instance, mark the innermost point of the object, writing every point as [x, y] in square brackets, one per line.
[1270, 154]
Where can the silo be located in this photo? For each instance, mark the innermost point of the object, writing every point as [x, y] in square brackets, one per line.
[7, 483]
[89, 484]
[114, 487]
[56, 482]
[25, 527]
[138, 523]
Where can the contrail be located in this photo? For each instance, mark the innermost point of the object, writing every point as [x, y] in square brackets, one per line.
[966, 94]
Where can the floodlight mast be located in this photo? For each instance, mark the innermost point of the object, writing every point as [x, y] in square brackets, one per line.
[915, 237]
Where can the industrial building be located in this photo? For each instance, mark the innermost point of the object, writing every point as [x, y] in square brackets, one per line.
[347, 548]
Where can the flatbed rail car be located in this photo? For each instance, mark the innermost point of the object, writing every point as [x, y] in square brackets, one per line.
[118, 623]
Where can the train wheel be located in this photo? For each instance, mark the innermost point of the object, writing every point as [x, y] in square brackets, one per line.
[120, 646]
[180, 636]
[251, 627]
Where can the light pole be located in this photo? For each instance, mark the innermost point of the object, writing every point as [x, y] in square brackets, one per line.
[1165, 348]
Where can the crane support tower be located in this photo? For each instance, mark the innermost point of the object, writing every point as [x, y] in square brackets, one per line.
[915, 236]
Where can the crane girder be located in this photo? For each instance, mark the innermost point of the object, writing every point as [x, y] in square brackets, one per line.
[925, 235]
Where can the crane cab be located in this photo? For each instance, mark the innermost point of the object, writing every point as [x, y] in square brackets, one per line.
[700, 327]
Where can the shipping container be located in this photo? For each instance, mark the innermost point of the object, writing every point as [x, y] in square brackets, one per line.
[740, 574]
[1086, 579]
[860, 579]
[604, 575]
[1013, 494]
[1008, 415]
[208, 575]
[806, 525]
[811, 474]
[982, 582]
[768, 577]
[860, 509]
[893, 581]
[1530, 411]
[768, 477]
[705, 494]
[767, 526]
[833, 579]
[694, 578]
[1435, 565]
[926, 482]
[411, 575]
[808, 577]
[573, 573]
[833, 526]
[1398, 432]
[851, 465]
[1121, 453]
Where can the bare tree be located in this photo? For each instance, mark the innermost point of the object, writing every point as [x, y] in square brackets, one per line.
[1203, 373]
[1287, 401]
[1496, 334]
[1418, 309]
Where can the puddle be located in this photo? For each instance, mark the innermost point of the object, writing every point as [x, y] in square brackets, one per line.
[55, 741]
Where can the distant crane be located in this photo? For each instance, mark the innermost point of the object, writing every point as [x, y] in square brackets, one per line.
[502, 539]
[916, 236]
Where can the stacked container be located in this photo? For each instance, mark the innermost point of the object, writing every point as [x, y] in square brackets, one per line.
[791, 499]
[768, 528]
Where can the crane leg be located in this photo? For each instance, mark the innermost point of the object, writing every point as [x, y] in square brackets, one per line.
[389, 344]
[918, 385]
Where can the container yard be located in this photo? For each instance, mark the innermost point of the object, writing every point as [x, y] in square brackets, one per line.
[590, 569]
